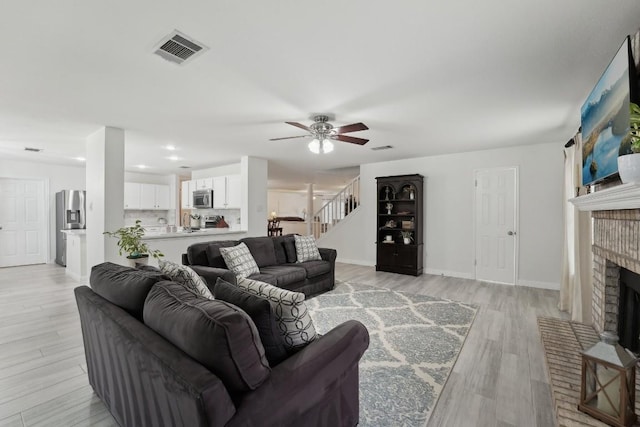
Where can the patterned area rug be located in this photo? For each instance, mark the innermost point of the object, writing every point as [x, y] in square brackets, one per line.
[415, 341]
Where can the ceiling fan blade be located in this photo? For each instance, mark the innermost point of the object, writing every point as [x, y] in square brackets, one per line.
[351, 139]
[351, 128]
[299, 125]
[289, 137]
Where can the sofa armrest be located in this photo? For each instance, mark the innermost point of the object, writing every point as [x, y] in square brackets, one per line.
[185, 259]
[328, 254]
[309, 378]
[211, 274]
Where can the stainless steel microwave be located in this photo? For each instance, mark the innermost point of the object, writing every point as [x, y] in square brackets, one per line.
[203, 199]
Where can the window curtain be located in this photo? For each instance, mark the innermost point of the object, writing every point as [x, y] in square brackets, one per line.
[577, 265]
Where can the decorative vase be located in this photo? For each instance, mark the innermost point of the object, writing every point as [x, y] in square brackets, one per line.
[195, 223]
[407, 240]
[629, 168]
[140, 259]
[412, 195]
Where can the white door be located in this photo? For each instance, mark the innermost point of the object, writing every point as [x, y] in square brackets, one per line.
[495, 225]
[22, 222]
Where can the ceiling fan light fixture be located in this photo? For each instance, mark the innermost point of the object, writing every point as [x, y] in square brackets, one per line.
[314, 146]
[327, 146]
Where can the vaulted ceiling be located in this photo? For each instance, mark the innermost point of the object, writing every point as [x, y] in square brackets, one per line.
[427, 77]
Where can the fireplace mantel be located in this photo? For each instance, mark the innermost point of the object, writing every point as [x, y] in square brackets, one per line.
[624, 196]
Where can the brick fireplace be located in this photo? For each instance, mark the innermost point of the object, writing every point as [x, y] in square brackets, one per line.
[616, 244]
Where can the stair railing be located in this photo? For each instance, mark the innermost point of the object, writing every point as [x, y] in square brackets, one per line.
[336, 209]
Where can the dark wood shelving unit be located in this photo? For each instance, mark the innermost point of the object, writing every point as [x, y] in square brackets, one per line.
[400, 205]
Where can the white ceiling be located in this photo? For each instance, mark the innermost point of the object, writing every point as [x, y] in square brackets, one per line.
[427, 77]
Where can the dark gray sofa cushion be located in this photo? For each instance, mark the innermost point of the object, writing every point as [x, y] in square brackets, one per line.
[264, 277]
[285, 274]
[278, 246]
[214, 257]
[262, 250]
[262, 315]
[315, 268]
[290, 248]
[125, 287]
[217, 334]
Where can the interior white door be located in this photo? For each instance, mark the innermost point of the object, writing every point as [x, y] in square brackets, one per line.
[22, 222]
[495, 225]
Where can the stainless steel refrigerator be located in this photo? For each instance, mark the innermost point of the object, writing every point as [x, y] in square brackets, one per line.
[70, 215]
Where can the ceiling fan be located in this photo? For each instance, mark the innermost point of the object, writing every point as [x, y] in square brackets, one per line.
[323, 132]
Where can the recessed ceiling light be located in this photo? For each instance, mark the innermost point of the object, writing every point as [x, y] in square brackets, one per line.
[173, 158]
[80, 159]
[170, 147]
[141, 166]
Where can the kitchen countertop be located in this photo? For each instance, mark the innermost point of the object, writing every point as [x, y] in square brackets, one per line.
[78, 231]
[199, 233]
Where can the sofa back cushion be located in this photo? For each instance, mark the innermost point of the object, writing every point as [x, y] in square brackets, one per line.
[278, 246]
[289, 244]
[197, 254]
[217, 334]
[260, 311]
[125, 287]
[214, 256]
[262, 250]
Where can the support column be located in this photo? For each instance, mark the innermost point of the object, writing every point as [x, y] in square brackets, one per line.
[310, 210]
[105, 194]
[254, 172]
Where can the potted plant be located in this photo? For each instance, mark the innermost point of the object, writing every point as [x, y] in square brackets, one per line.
[407, 236]
[130, 242]
[629, 159]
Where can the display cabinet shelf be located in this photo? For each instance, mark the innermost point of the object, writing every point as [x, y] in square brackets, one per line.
[400, 200]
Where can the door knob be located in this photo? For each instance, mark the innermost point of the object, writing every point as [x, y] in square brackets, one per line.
[511, 233]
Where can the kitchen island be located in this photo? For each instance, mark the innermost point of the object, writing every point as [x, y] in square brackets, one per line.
[173, 245]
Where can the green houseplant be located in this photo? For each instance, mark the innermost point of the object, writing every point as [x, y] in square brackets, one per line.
[629, 158]
[407, 236]
[130, 242]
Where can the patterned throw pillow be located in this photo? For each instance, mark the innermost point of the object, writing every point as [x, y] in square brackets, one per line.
[185, 276]
[239, 260]
[294, 321]
[306, 249]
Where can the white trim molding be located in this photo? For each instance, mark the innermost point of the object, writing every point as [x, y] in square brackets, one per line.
[538, 285]
[624, 196]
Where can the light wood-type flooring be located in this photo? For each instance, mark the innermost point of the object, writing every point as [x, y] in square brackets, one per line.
[499, 379]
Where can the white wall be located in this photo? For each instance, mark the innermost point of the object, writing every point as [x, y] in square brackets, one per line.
[56, 178]
[449, 197]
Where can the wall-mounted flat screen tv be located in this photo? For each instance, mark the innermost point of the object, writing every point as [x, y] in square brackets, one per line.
[605, 118]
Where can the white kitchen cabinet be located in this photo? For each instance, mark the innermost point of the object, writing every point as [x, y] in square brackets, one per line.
[186, 194]
[163, 197]
[146, 196]
[234, 191]
[227, 192]
[204, 183]
[219, 192]
[132, 195]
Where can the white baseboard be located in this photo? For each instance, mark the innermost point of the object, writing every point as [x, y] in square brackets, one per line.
[539, 285]
[448, 273]
[356, 262]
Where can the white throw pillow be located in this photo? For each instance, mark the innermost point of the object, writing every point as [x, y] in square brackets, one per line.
[306, 248]
[292, 316]
[185, 276]
[239, 260]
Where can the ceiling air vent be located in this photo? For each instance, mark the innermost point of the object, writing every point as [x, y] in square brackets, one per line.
[185, 167]
[382, 147]
[179, 48]
[35, 150]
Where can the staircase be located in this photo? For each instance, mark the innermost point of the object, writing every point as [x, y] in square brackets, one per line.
[345, 202]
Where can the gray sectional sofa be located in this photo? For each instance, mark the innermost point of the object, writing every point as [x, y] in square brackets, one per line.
[160, 355]
[276, 259]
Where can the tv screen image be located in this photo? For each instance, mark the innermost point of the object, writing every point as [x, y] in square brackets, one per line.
[605, 119]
